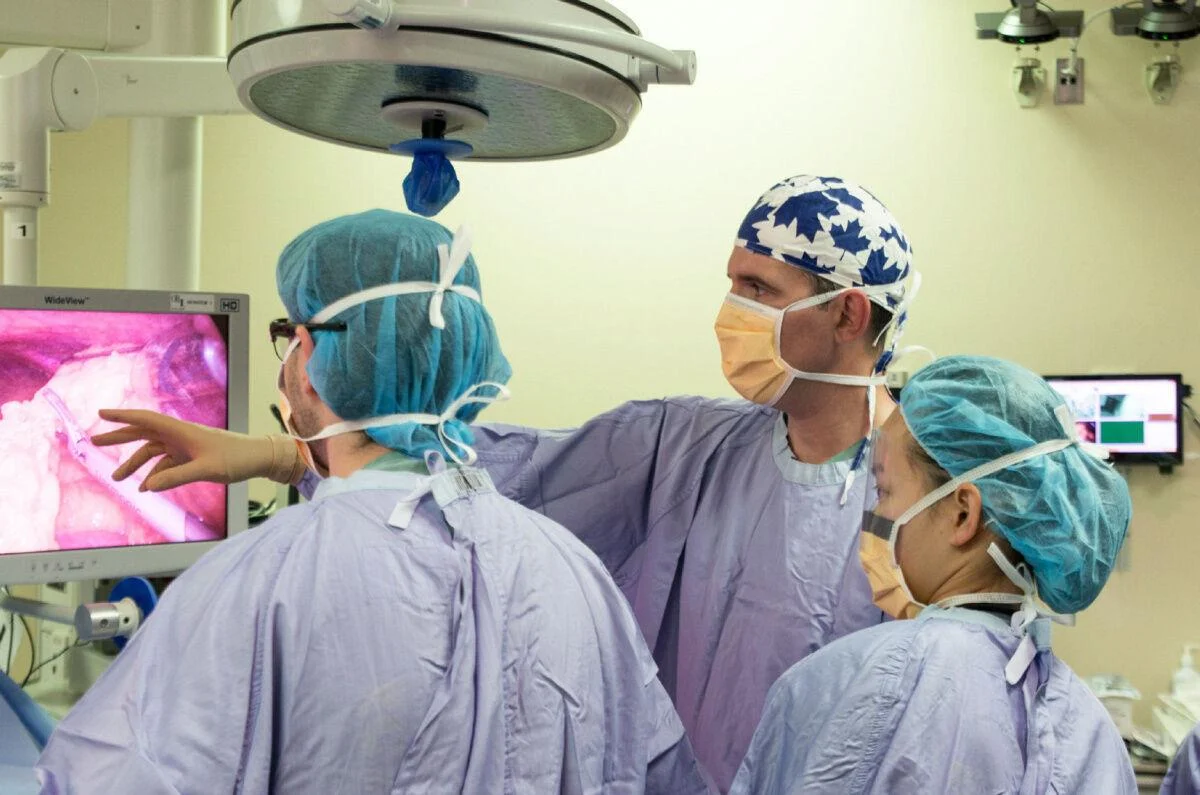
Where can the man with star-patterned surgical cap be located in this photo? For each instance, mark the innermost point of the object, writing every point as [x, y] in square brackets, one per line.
[732, 526]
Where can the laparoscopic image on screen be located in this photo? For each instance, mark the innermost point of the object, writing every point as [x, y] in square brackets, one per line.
[57, 370]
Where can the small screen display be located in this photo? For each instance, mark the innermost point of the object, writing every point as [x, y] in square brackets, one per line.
[1131, 415]
[57, 370]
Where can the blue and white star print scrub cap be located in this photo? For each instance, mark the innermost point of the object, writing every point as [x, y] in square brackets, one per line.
[834, 229]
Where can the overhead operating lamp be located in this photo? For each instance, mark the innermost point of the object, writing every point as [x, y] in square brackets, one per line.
[1165, 21]
[488, 80]
[1028, 23]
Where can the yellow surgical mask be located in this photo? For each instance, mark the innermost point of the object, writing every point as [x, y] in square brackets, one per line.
[889, 592]
[748, 333]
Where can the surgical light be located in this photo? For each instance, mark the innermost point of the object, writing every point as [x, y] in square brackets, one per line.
[514, 79]
[493, 80]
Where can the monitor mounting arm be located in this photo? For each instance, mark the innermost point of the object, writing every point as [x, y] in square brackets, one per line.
[47, 89]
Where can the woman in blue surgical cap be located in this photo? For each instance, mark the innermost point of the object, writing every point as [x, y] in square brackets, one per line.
[986, 499]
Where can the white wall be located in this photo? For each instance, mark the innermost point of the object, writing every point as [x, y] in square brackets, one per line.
[1063, 238]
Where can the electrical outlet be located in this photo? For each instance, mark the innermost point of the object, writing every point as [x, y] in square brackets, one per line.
[52, 640]
[1068, 82]
[13, 639]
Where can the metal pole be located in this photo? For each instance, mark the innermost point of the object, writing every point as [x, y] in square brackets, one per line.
[165, 160]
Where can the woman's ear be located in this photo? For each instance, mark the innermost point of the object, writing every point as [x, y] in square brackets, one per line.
[966, 505]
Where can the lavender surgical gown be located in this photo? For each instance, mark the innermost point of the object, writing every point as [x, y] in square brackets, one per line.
[367, 643]
[923, 706]
[738, 559]
[1183, 777]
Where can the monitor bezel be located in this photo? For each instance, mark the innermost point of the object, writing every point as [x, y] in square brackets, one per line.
[1158, 459]
[115, 562]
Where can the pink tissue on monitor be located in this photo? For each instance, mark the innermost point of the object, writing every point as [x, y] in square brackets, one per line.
[176, 364]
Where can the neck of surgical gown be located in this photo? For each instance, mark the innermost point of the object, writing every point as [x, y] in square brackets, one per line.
[922, 706]
[472, 646]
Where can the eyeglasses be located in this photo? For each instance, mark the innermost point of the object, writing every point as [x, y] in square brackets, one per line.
[283, 332]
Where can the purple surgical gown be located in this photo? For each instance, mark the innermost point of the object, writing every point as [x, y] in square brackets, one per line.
[1183, 778]
[369, 643]
[923, 706]
[738, 559]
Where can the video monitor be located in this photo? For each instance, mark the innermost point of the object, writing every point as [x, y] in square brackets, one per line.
[1137, 417]
[66, 354]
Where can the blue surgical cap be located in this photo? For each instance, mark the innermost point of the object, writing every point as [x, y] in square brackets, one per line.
[837, 230]
[390, 360]
[832, 228]
[1065, 513]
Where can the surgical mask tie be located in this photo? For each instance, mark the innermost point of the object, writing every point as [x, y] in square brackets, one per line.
[865, 447]
[471, 397]
[451, 260]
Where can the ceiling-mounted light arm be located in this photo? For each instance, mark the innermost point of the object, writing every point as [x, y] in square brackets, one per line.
[45, 89]
[665, 66]
[77, 24]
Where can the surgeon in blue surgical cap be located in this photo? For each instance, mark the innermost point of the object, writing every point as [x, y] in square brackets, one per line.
[409, 629]
[730, 525]
[987, 502]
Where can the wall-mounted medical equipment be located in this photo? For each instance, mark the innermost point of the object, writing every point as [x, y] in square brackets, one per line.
[1162, 22]
[1028, 22]
[64, 355]
[1031, 22]
[1138, 418]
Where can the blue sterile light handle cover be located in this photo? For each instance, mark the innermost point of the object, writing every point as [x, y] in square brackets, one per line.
[432, 183]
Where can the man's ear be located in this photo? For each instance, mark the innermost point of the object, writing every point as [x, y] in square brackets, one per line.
[303, 353]
[854, 315]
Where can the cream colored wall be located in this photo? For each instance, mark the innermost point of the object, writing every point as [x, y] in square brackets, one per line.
[1063, 238]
